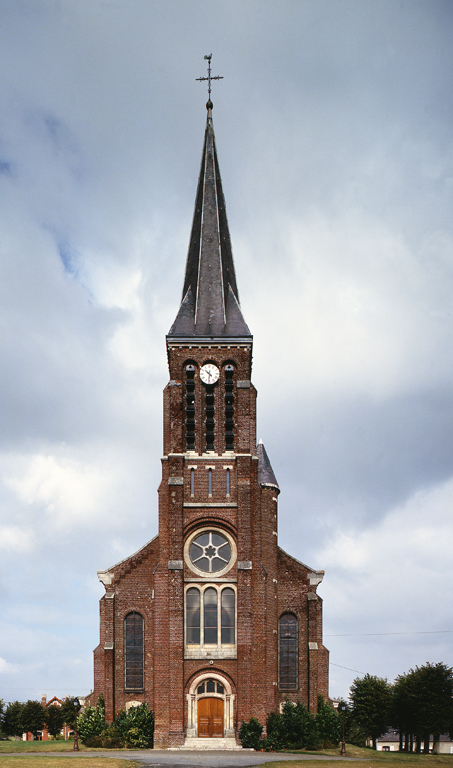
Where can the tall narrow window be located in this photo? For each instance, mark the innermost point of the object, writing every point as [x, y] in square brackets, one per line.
[287, 638]
[210, 619]
[210, 616]
[228, 616]
[228, 482]
[193, 616]
[133, 651]
[192, 481]
[210, 481]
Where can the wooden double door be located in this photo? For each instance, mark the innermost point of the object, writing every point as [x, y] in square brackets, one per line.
[210, 718]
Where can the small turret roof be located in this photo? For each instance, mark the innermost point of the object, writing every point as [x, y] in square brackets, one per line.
[265, 472]
[210, 301]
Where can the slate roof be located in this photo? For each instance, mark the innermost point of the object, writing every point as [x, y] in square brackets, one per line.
[210, 300]
[265, 472]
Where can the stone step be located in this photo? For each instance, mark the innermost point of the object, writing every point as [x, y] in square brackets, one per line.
[193, 742]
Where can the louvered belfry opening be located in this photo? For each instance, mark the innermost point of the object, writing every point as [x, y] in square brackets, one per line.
[190, 407]
[210, 421]
[229, 407]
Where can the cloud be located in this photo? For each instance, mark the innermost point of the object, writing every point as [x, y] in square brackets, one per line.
[7, 668]
[417, 536]
[387, 588]
[68, 491]
[333, 126]
[15, 539]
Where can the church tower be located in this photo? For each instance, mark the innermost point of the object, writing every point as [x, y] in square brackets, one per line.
[211, 622]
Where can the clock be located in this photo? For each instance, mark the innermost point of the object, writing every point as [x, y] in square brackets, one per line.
[209, 373]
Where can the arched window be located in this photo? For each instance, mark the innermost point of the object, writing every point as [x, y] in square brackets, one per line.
[287, 651]
[211, 617]
[133, 651]
[228, 619]
[210, 686]
[193, 616]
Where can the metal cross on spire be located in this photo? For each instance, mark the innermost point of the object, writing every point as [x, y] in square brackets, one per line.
[210, 77]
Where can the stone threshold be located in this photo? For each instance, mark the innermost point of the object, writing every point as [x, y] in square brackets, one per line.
[202, 744]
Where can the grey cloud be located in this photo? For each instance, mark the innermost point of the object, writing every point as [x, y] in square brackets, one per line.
[333, 127]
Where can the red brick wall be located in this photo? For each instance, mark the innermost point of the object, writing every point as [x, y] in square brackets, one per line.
[276, 583]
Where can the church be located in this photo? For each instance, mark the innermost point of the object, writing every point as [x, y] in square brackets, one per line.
[211, 622]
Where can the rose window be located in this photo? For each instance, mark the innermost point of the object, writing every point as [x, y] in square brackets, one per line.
[210, 552]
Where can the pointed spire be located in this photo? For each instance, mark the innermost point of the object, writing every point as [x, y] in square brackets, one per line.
[210, 301]
[266, 475]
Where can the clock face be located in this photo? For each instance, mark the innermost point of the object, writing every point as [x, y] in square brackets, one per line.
[209, 373]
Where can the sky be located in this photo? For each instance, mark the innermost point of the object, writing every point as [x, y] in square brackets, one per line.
[334, 133]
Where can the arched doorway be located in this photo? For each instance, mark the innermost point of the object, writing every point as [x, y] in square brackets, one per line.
[210, 707]
[210, 718]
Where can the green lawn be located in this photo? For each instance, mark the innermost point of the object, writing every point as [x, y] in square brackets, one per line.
[28, 756]
[416, 761]
[37, 746]
[43, 761]
[368, 758]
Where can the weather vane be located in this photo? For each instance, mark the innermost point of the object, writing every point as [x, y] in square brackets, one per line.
[210, 77]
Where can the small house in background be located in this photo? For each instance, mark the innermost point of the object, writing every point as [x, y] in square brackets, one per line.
[390, 742]
[43, 735]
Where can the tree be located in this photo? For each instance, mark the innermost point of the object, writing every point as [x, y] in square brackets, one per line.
[33, 717]
[328, 724]
[12, 719]
[371, 697]
[92, 722]
[2, 708]
[434, 687]
[54, 719]
[422, 704]
[68, 711]
[402, 710]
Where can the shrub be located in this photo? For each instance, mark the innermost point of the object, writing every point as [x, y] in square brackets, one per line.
[92, 722]
[250, 734]
[293, 728]
[109, 738]
[299, 727]
[274, 739]
[328, 724]
[136, 727]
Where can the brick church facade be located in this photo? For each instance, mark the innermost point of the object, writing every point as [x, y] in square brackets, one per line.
[211, 622]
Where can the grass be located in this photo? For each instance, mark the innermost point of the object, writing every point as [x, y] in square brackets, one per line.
[367, 758]
[307, 763]
[437, 760]
[27, 756]
[363, 758]
[38, 746]
[43, 761]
